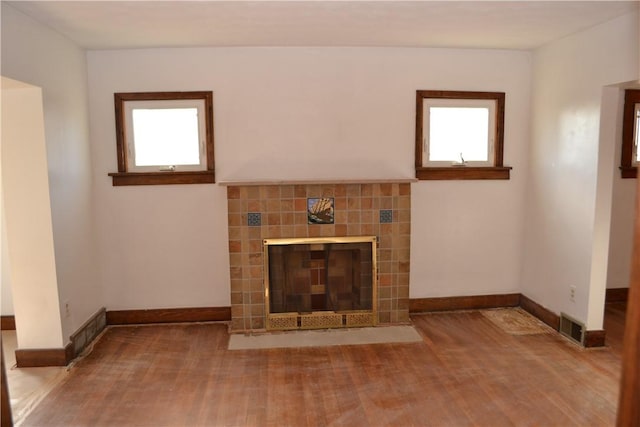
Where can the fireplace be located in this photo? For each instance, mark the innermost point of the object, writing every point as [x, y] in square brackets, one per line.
[339, 212]
[313, 283]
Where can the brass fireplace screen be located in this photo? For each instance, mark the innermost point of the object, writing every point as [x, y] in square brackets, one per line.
[315, 283]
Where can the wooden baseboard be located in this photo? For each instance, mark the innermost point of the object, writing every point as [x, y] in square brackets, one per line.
[86, 333]
[422, 305]
[542, 313]
[40, 357]
[594, 339]
[6, 418]
[616, 295]
[8, 323]
[168, 315]
[31, 358]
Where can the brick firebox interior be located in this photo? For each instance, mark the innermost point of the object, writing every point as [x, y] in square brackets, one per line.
[381, 209]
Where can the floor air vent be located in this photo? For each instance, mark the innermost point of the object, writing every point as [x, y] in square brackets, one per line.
[572, 329]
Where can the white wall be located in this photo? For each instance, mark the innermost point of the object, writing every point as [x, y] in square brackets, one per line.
[27, 211]
[6, 296]
[304, 113]
[284, 113]
[34, 54]
[467, 236]
[568, 77]
[610, 119]
[622, 214]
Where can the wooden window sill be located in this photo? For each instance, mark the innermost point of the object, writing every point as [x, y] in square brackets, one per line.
[162, 178]
[464, 172]
[629, 172]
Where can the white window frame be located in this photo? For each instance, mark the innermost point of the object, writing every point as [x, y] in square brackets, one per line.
[488, 104]
[130, 106]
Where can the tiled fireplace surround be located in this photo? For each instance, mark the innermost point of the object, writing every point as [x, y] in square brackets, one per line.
[360, 209]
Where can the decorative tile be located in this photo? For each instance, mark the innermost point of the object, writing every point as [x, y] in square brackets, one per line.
[386, 216]
[254, 219]
[320, 210]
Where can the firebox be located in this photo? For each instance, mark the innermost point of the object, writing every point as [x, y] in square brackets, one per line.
[317, 283]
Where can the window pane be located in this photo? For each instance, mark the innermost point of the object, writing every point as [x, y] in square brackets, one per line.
[636, 133]
[457, 131]
[166, 136]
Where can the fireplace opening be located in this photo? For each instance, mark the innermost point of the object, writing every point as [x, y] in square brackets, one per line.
[315, 283]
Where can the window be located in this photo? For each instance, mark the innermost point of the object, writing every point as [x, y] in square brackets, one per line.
[164, 138]
[630, 132]
[459, 135]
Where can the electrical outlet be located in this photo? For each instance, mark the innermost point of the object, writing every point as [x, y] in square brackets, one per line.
[572, 293]
[67, 309]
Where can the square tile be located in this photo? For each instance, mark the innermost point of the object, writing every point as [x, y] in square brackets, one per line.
[254, 219]
[386, 216]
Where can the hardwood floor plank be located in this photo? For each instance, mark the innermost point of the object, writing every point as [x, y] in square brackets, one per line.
[467, 371]
[349, 408]
[615, 313]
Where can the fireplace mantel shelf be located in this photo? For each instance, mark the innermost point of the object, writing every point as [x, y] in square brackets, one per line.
[318, 182]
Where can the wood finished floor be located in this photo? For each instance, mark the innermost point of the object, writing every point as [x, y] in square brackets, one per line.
[466, 372]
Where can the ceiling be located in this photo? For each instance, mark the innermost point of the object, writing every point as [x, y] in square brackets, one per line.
[468, 24]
